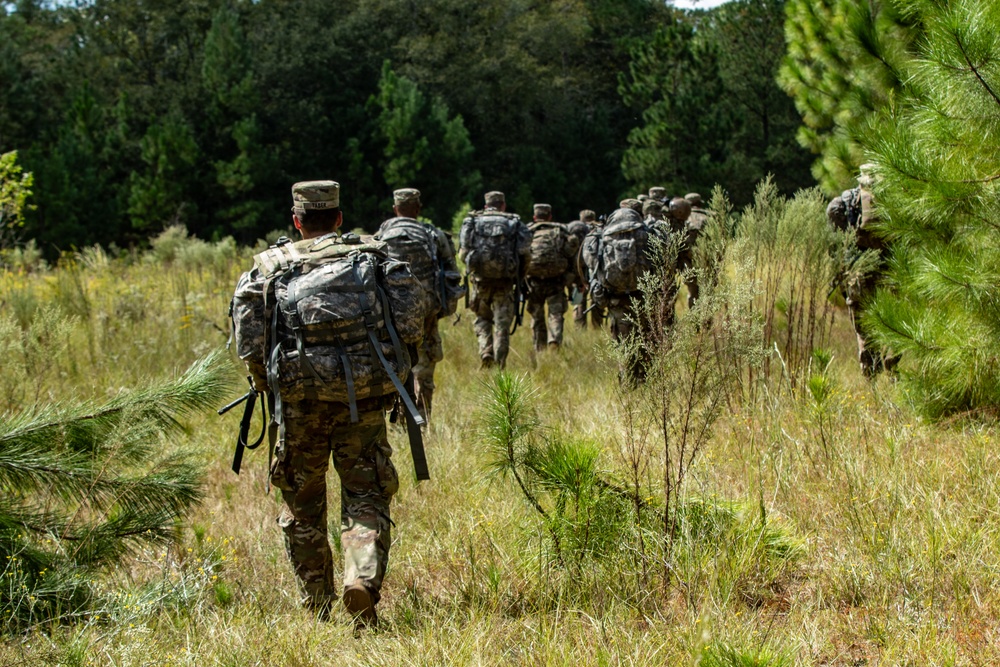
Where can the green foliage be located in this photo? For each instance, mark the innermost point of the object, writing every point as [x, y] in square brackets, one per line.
[846, 61]
[84, 486]
[727, 655]
[423, 146]
[15, 188]
[935, 181]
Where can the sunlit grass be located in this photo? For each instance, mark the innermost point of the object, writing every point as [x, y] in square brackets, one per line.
[892, 521]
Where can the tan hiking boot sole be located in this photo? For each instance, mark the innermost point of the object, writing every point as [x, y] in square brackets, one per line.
[360, 605]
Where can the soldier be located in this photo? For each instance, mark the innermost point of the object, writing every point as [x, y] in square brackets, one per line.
[550, 271]
[679, 215]
[695, 224]
[617, 256]
[658, 193]
[494, 245]
[306, 319]
[580, 228]
[431, 257]
[859, 213]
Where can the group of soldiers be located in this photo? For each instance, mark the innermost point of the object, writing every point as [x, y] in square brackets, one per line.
[541, 267]
[338, 329]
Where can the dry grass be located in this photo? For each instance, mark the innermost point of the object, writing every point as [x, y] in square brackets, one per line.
[898, 518]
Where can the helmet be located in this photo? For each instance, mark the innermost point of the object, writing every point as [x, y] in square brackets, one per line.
[680, 209]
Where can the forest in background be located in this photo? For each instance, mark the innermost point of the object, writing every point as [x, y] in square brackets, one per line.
[136, 115]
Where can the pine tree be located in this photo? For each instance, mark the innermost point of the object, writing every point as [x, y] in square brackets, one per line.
[844, 63]
[937, 179]
[83, 486]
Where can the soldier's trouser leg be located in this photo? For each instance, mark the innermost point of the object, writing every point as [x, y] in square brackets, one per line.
[483, 326]
[557, 310]
[503, 318]
[692, 287]
[632, 370]
[580, 310]
[368, 480]
[299, 470]
[429, 353]
[539, 334]
[597, 317]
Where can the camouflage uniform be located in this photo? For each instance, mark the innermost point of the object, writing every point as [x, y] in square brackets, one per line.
[695, 223]
[588, 222]
[492, 299]
[441, 257]
[862, 288]
[545, 290]
[313, 430]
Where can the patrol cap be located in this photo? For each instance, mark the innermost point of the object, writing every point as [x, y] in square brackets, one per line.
[494, 198]
[543, 209]
[586, 215]
[631, 203]
[642, 197]
[405, 196]
[652, 207]
[315, 195]
[867, 176]
[657, 192]
[694, 198]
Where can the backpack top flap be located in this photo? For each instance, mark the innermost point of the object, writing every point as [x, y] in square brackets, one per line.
[310, 252]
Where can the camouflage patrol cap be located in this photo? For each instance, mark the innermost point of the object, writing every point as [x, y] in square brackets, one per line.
[651, 207]
[543, 209]
[586, 215]
[405, 196]
[694, 198]
[494, 198]
[631, 203]
[642, 197]
[315, 195]
[867, 175]
[657, 192]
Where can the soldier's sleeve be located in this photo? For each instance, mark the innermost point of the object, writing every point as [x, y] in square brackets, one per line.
[464, 237]
[446, 250]
[523, 238]
[249, 326]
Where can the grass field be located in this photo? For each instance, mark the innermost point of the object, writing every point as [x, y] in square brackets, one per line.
[846, 530]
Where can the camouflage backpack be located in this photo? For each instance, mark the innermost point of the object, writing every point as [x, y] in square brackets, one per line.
[338, 313]
[414, 242]
[548, 250]
[490, 239]
[617, 254]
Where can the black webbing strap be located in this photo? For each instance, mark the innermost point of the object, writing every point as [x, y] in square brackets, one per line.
[416, 440]
[352, 402]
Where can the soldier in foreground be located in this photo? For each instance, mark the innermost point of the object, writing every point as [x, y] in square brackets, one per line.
[495, 246]
[431, 257]
[550, 271]
[312, 322]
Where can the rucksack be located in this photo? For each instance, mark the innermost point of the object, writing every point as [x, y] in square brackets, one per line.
[617, 254]
[852, 206]
[338, 313]
[548, 250]
[490, 240]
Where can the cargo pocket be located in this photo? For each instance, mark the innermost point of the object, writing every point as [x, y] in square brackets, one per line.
[388, 480]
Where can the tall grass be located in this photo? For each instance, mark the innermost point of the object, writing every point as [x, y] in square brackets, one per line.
[820, 522]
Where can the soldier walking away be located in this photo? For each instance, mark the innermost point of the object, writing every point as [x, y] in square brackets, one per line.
[550, 271]
[617, 256]
[695, 224]
[431, 256]
[322, 325]
[679, 213]
[855, 210]
[580, 228]
[495, 247]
